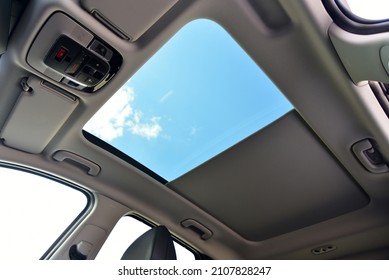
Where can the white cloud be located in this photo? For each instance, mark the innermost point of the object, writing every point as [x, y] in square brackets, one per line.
[193, 131]
[147, 130]
[109, 121]
[166, 96]
[137, 116]
[118, 114]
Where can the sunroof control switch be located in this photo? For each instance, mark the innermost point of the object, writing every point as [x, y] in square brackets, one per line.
[76, 63]
[71, 55]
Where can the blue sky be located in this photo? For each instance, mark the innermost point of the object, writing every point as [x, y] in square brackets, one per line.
[197, 96]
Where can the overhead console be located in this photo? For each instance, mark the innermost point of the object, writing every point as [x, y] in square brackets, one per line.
[69, 54]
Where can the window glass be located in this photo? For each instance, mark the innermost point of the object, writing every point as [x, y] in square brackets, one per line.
[125, 232]
[371, 9]
[197, 96]
[34, 212]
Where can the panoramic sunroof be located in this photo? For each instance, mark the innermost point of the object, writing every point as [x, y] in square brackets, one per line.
[197, 96]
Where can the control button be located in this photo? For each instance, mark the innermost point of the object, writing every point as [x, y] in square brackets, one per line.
[91, 81]
[61, 53]
[98, 75]
[82, 77]
[89, 70]
[80, 60]
[101, 50]
[73, 68]
[98, 65]
[87, 79]
[72, 84]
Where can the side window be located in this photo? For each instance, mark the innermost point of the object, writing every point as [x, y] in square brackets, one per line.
[34, 212]
[126, 231]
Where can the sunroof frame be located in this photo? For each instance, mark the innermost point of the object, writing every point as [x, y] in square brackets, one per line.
[153, 170]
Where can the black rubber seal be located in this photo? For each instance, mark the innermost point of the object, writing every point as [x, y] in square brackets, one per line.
[348, 21]
[104, 145]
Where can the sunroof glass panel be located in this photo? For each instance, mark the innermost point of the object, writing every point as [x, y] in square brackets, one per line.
[197, 96]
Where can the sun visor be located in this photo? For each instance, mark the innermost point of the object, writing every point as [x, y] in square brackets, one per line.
[41, 110]
[129, 19]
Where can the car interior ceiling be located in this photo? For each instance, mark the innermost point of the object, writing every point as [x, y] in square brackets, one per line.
[301, 185]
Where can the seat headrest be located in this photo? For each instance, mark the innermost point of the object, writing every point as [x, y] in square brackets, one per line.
[154, 244]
